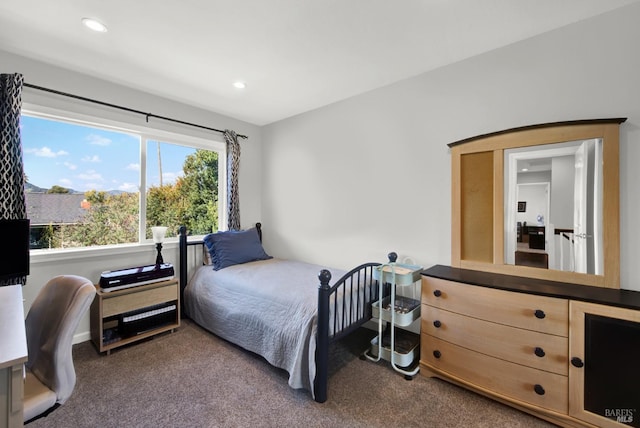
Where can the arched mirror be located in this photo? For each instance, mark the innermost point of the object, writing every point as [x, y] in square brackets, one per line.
[539, 201]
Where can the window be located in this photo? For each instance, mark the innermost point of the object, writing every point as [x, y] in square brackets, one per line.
[83, 183]
[182, 188]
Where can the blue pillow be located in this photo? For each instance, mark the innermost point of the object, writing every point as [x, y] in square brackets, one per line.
[234, 247]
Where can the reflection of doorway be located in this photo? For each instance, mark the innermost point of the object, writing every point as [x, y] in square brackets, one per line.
[536, 198]
[588, 208]
[531, 249]
[539, 166]
[574, 211]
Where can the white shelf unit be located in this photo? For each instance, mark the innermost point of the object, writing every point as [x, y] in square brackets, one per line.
[395, 344]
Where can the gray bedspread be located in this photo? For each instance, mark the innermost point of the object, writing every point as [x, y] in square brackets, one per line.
[268, 307]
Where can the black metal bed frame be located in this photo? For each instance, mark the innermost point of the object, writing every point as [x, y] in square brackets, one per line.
[358, 284]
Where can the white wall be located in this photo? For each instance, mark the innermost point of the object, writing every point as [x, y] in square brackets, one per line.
[91, 264]
[354, 180]
[535, 195]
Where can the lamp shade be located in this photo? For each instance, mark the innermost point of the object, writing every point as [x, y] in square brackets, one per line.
[158, 233]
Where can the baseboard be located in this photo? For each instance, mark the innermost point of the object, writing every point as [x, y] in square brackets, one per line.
[81, 337]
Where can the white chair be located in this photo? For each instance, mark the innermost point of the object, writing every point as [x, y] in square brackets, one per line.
[50, 325]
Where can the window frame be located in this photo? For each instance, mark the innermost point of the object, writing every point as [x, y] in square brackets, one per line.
[146, 133]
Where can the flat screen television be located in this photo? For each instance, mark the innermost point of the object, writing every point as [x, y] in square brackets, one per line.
[14, 259]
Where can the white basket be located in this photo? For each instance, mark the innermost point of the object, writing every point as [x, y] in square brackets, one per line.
[401, 357]
[407, 310]
[405, 274]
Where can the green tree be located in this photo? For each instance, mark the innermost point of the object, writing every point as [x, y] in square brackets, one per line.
[111, 219]
[49, 238]
[199, 186]
[165, 207]
[58, 189]
[192, 201]
[96, 197]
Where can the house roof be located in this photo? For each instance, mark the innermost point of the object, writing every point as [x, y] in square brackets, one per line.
[54, 208]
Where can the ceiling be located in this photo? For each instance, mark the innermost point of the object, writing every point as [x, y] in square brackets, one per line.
[294, 55]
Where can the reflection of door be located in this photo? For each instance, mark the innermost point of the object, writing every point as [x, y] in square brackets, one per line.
[536, 196]
[571, 186]
[580, 209]
[597, 222]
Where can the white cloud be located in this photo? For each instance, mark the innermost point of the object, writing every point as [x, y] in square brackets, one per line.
[93, 159]
[46, 152]
[98, 140]
[133, 167]
[128, 187]
[91, 175]
[71, 166]
[65, 182]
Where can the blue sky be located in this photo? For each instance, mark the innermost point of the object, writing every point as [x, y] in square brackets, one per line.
[85, 158]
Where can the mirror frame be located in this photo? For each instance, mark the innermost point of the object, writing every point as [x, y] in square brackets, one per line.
[477, 198]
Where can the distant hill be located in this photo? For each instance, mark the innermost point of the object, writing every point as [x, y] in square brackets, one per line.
[32, 188]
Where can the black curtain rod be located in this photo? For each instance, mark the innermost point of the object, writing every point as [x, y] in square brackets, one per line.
[147, 115]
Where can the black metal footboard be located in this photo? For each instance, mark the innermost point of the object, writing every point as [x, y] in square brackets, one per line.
[342, 308]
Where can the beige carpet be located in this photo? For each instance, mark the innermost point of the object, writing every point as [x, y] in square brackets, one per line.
[193, 379]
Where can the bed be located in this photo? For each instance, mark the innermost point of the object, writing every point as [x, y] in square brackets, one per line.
[273, 307]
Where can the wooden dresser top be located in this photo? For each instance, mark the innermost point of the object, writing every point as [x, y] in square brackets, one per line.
[606, 296]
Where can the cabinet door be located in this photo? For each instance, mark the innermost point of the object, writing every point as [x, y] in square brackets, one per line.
[604, 377]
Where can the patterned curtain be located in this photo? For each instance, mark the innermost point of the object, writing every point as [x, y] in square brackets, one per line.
[233, 165]
[12, 201]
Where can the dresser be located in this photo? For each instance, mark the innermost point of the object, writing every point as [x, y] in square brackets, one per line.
[566, 353]
[13, 355]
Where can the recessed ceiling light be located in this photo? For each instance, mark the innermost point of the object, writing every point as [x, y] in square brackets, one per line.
[239, 85]
[94, 25]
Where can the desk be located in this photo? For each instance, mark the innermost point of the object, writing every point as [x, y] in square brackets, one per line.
[536, 237]
[525, 256]
[13, 355]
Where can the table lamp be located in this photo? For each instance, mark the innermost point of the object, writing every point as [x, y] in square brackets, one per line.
[158, 237]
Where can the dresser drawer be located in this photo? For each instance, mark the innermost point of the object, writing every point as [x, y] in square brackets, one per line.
[530, 348]
[139, 299]
[537, 387]
[531, 312]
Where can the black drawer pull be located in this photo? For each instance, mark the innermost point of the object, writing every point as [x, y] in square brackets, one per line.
[437, 293]
[437, 324]
[539, 352]
[539, 314]
[577, 362]
[538, 389]
[437, 354]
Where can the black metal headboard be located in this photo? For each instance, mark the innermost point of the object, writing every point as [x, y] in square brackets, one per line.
[182, 257]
